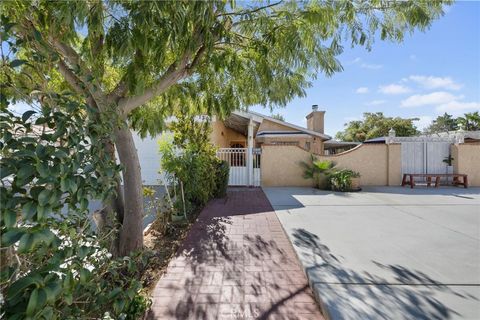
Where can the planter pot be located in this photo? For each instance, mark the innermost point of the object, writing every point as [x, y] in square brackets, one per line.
[177, 219]
[449, 169]
[321, 182]
[355, 183]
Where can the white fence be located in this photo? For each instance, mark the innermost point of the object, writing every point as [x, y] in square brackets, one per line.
[238, 160]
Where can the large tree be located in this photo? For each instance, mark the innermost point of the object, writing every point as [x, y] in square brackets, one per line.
[470, 121]
[137, 58]
[374, 125]
[443, 123]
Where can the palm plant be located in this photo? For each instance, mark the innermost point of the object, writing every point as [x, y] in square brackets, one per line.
[317, 170]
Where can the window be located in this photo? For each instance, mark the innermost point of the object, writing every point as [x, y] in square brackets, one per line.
[307, 145]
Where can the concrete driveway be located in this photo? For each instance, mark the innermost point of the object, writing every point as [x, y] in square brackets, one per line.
[387, 252]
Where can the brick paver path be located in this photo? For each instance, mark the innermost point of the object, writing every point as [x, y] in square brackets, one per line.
[236, 263]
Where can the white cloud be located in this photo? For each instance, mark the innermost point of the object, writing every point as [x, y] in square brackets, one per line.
[354, 61]
[434, 98]
[362, 90]
[431, 82]
[394, 89]
[456, 107]
[371, 66]
[423, 122]
[413, 57]
[375, 102]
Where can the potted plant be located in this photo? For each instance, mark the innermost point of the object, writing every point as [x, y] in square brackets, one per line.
[448, 161]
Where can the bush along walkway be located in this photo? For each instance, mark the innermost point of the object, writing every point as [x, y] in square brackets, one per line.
[236, 263]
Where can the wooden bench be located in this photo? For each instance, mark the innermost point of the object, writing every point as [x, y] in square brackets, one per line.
[436, 176]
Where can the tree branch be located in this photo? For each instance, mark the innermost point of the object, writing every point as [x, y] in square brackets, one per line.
[75, 83]
[173, 74]
[250, 11]
[90, 83]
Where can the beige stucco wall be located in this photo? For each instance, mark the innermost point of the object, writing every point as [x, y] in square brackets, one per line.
[281, 164]
[467, 161]
[268, 125]
[370, 160]
[223, 136]
[394, 164]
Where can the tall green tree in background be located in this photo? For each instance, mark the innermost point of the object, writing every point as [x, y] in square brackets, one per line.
[443, 123]
[446, 122]
[139, 61]
[374, 125]
[470, 121]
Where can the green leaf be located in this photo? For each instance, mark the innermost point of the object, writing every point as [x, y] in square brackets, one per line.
[72, 186]
[27, 114]
[52, 289]
[44, 197]
[84, 275]
[118, 305]
[12, 236]
[46, 236]
[37, 300]
[60, 154]
[21, 284]
[42, 169]
[25, 243]
[25, 172]
[17, 62]
[43, 212]
[9, 218]
[5, 171]
[28, 210]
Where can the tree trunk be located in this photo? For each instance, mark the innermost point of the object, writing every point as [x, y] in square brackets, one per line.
[115, 203]
[131, 233]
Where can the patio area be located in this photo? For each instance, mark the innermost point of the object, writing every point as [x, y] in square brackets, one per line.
[387, 252]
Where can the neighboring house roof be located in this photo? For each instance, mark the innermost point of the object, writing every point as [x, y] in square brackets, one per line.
[376, 140]
[335, 143]
[257, 117]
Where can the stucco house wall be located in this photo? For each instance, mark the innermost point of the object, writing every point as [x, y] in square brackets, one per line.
[223, 136]
[268, 125]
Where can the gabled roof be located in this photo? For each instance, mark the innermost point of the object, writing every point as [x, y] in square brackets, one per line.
[258, 117]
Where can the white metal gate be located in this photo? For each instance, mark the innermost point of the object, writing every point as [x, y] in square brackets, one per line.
[238, 160]
[424, 154]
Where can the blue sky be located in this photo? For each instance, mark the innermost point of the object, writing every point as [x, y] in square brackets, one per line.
[428, 74]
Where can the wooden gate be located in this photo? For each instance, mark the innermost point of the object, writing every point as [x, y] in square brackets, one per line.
[424, 154]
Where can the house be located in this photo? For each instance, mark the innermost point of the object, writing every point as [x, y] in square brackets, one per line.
[252, 130]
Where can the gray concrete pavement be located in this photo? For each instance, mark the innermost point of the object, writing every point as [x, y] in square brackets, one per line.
[387, 252]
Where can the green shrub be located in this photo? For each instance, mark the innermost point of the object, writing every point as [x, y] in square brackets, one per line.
[53, 266]
[190, 161]
[341, 180]
[222, 174]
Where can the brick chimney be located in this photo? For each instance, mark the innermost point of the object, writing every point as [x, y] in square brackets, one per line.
[315, 119]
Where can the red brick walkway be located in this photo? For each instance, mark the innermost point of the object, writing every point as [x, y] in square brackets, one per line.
[236, 263]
